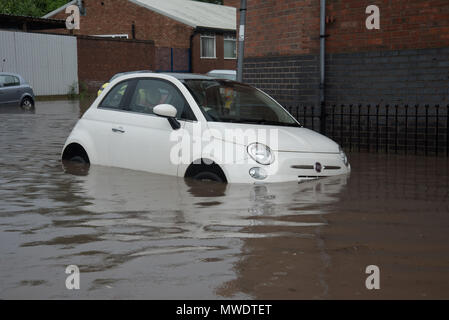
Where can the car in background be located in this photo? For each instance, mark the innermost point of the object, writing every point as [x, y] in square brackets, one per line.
[118, 75]
[223, 74]
[15, 91]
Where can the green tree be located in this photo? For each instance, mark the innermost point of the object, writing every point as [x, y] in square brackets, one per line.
[38, 8]
[34, 8]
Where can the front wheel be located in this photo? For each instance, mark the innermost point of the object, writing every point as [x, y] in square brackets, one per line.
[208, 176]
[78, 159]
[27, 103]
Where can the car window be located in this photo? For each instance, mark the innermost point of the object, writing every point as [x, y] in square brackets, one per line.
[152, 92]
[229, 101]
[9, 81]
[115, 98]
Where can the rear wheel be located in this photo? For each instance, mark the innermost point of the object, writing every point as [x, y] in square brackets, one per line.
[27, 103]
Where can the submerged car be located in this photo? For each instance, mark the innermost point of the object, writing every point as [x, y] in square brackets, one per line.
[200, 127]
[15, 91]
[118, 75]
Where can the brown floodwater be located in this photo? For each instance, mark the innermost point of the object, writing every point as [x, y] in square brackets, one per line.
[144, 236]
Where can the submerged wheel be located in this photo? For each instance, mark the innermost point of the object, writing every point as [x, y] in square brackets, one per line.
[27, 103]
[78, 159]
[207, 176]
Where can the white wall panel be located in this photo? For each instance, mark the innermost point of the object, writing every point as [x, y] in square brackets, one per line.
[48, 62]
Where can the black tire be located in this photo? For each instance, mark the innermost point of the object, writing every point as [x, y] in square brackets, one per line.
[78, 159]
[27, 103]
[207, 176]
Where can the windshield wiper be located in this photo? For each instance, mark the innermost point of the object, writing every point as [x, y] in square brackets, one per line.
[257, 121]
[270, 122]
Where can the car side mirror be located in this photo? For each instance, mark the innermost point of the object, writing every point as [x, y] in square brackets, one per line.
[169, 112]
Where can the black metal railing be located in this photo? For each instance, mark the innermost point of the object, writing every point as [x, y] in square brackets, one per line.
[399, 129]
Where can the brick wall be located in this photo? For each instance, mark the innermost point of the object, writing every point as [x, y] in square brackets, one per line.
[290, 79]
[288, 27]
[279, 28]
[202, 65]
[404, 24]
[99, 59]
[399, 76]
[406, 61]
[118, 17]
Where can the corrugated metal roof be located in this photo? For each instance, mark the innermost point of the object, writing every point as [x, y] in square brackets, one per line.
[51, 14]
[194, 13]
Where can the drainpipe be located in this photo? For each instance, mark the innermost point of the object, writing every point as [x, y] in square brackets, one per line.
[241, 40]
[322, 65]
[191, 53]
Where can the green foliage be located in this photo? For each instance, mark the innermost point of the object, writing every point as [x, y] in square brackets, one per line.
[39, 8]
[34, 8]
[71, 93]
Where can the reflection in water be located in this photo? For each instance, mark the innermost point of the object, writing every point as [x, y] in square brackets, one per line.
[206, 210]
[16, 110]
[394, 213]
[140, 235]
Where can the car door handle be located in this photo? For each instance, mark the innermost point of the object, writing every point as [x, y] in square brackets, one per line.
[118, 130]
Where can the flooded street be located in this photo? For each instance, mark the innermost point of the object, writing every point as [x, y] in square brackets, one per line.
[144, 236]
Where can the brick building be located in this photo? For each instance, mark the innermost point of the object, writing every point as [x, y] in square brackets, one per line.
[189, 36]
[377, 81]
[405, 61]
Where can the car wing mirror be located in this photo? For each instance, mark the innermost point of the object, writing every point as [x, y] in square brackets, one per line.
[169, 112]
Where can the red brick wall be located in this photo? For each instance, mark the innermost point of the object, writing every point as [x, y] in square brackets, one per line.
[404, 24]
[201, 65]
[117, 17]
[99, 59]
[280, 27]
[287, 27]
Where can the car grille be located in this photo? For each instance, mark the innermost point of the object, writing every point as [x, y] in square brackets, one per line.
[311, 167]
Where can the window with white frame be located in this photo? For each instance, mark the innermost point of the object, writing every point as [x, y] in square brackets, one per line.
[208, 49]
[230, 47]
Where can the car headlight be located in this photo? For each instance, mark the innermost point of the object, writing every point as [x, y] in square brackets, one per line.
[343, 156]
[260, 153]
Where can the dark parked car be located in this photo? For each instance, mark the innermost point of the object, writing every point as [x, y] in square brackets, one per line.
[15, 91]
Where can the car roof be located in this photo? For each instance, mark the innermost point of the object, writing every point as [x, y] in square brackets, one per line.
[22, 79]
[129, 72]
[176, 75]
[233, 72]
[188, 76]
[9, 74]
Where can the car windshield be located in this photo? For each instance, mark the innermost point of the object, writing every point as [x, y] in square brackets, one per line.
[229, 101]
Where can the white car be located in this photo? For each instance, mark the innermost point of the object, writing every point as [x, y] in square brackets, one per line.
[195, 126]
